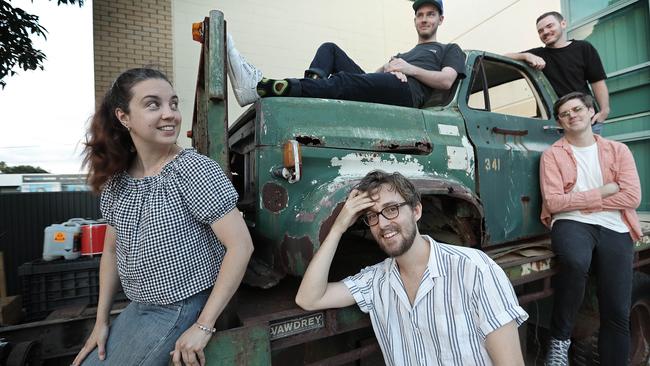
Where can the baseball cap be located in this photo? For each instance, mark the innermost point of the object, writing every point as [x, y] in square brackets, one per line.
[437, 3]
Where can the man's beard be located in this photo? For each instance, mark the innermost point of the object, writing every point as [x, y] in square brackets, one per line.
[408, 237]
[553, 43]
[427, 34]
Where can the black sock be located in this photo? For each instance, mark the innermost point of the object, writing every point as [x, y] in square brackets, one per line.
[273, 87]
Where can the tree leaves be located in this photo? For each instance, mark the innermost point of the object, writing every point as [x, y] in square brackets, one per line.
[16, 47]
[20, 169]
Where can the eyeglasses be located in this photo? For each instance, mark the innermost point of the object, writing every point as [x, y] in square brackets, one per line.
[371, 218]
[576, 110]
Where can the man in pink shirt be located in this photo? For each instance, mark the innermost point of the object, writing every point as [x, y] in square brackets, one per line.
[590, 190]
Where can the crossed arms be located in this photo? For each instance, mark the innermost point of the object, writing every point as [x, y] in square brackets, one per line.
[624, 192]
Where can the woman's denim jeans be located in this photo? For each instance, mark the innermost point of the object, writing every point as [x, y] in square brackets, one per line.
[144, 334]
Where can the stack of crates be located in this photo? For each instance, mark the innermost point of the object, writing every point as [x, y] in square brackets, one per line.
[47, 286]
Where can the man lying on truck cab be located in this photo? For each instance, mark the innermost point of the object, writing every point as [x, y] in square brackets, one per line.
[590, 192]
[406, 80]
[568, 64]
[429, 303]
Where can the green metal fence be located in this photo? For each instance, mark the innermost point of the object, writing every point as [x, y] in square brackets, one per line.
[620, 31]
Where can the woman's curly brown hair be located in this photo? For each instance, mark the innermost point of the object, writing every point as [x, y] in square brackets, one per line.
[109, 147]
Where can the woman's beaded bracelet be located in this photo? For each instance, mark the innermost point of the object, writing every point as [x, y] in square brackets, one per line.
[208, 330]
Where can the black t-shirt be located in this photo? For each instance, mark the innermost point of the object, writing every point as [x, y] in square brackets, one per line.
[432, 56]
[570, 68]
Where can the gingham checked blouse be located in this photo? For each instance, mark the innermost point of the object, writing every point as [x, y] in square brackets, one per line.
[166, 250]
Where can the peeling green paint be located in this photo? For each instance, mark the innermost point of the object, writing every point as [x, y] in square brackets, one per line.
[248, 345]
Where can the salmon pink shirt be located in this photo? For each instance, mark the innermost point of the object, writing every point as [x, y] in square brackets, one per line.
[557, 176]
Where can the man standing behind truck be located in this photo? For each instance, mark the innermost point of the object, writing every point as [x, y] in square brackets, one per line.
[406, 80]
[590, 190]
[568, 64]
[429, 303]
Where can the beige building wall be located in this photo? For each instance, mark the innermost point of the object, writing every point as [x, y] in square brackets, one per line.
[128, 34]
[281, 36]
[498, 26]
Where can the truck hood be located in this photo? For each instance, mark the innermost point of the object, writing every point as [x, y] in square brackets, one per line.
[342, 124]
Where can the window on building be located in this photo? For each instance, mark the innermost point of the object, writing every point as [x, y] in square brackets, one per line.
[624, 34]
[581, 9]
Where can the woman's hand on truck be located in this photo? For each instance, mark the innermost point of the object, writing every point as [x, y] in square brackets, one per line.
[189, 348]
[97, 339]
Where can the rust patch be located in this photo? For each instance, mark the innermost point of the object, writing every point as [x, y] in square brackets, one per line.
[295, 254]
[274, 197]
[427, 186]
[467, 230]
[305, 216]
[325, 202]
[424, 146]
[310, 141]
[452, 208]
[525, 201]
[417, 147]
[504, 132]
[326, 226]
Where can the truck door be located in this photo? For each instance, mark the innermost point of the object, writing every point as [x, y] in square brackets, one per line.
[509, 122]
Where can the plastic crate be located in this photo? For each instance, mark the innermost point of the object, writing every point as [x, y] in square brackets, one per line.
[47, 286]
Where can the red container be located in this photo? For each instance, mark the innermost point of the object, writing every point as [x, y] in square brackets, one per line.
[92, 238]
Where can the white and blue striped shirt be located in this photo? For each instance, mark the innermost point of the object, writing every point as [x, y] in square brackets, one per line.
[463, 297]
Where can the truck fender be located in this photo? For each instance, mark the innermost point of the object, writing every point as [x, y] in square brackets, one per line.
[317, 210]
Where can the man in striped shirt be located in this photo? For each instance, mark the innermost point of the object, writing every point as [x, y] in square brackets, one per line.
[429, 303]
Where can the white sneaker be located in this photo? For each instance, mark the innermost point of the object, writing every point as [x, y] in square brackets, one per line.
[243, 76]
[558, 352]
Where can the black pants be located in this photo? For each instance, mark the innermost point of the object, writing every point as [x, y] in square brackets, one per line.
[343, 79]
[610, 254]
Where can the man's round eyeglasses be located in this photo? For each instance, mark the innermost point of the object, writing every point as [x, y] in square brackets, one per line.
[371, 218]
[576, 110]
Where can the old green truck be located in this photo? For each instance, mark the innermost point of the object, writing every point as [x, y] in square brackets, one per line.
[473, 152]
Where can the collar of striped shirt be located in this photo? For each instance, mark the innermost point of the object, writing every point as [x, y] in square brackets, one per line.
[435, 268]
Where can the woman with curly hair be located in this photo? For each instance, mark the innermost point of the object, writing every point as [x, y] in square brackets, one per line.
[175, 240]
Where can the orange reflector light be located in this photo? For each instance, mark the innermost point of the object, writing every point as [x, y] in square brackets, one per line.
[197, 32]
[292, 154]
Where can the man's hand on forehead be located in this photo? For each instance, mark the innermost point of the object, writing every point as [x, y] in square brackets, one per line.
[373, 192]
[356, 203]
[362, 195]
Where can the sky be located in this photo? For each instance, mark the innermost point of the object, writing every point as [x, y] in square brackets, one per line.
[43, 114]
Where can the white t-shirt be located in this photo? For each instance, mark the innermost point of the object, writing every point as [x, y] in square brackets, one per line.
[590, 177]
